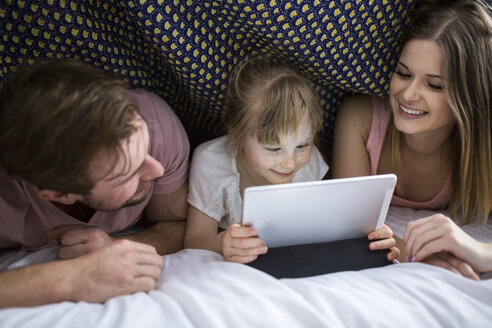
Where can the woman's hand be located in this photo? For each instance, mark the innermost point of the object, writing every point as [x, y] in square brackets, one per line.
[384, 240]
[242, 244]
[438, 233]
[448, 261]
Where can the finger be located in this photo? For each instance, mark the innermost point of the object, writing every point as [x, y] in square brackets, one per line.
[247, 251]
[60, 230]
[382, 233]
[420, 236]
[69, 252]
[441, 263]
[75, 236]
[242, 259]
[238, 254]
[427, 243]
[464, 268]
[412, 225]
[251, 242]
[382, 244]
[146, 270]
[127, 244]
[149, 259]
[393, 254]
[142, 284]
[430, 248]
[242, 231]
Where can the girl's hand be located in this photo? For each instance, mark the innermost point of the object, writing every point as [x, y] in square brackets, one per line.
[438, 233]
[385, 240]
[242, 244]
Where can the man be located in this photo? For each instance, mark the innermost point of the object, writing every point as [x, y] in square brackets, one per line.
[82, 156]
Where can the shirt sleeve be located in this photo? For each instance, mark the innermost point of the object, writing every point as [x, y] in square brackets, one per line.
[317, 164]
[169, 144]
[209, 177]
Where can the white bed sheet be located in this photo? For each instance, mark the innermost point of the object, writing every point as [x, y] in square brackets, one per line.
[199, 289]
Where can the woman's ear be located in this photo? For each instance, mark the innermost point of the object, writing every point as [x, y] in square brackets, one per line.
[57, 196]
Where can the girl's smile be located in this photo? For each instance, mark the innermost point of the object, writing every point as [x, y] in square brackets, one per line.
[274, 164]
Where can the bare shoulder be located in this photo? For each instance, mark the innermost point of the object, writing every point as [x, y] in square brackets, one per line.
[358, 107]
[352, 128]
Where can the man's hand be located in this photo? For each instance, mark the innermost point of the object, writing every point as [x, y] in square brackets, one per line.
[242, 244]
[384, 240]
[124, 267]
[77, 240]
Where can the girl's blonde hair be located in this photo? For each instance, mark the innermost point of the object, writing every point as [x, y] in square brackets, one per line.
[268, 98]
[463, 29]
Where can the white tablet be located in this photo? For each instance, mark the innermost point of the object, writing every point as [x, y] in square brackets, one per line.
[318, 211]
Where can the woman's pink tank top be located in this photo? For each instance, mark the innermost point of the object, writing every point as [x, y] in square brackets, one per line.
[381, 116]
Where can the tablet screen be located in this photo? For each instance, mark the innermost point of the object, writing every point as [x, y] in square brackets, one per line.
[318, 211]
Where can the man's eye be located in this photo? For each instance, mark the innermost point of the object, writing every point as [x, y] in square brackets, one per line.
[273, 149]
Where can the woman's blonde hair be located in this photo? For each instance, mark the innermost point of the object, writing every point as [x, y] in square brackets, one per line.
[463, 29]
[268, 98]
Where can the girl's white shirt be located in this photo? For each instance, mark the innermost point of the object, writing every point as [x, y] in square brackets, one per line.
[214, 180]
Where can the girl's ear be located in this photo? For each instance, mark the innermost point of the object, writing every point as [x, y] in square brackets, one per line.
[232, 134]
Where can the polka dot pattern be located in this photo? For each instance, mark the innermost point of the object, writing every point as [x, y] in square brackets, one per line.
[185, 50]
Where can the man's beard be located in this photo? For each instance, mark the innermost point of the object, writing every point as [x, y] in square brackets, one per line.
[143, 190]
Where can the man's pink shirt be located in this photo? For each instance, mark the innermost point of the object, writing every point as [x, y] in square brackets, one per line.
[25, 217]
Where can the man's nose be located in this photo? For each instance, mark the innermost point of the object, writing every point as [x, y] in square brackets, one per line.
[151, 169]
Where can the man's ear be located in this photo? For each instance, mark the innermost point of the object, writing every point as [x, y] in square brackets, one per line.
[60, 197]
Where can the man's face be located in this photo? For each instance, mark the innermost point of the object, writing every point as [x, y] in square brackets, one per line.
[134, 185]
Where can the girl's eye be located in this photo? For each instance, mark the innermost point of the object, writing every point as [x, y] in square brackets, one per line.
[302, 146]
[403, 75]
[273, 149]
[434, 86]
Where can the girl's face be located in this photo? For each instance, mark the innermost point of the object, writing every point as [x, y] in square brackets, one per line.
[417, 97]
[274, 164]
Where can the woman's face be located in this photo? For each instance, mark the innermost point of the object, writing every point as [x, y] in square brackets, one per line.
[417, 94]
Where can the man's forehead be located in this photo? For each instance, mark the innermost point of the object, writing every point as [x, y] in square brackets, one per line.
[111, 164]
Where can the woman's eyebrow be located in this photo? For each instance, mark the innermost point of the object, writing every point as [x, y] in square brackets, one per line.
[429, 75]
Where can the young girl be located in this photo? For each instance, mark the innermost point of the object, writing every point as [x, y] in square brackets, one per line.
[272, 116]
[434, 130]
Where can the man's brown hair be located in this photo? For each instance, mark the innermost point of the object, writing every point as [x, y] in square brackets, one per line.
[56, 117]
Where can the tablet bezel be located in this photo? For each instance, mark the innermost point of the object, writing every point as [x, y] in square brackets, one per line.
[318, 211]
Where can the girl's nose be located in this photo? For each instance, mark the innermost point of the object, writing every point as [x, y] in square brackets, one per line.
[288, 162]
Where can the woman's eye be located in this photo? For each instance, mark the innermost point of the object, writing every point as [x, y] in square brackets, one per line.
[403, 75]
[435, 86]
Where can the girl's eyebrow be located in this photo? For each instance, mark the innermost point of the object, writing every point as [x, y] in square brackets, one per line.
[429, 75]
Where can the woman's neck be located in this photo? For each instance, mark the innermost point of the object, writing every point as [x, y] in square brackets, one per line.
[426, 144]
